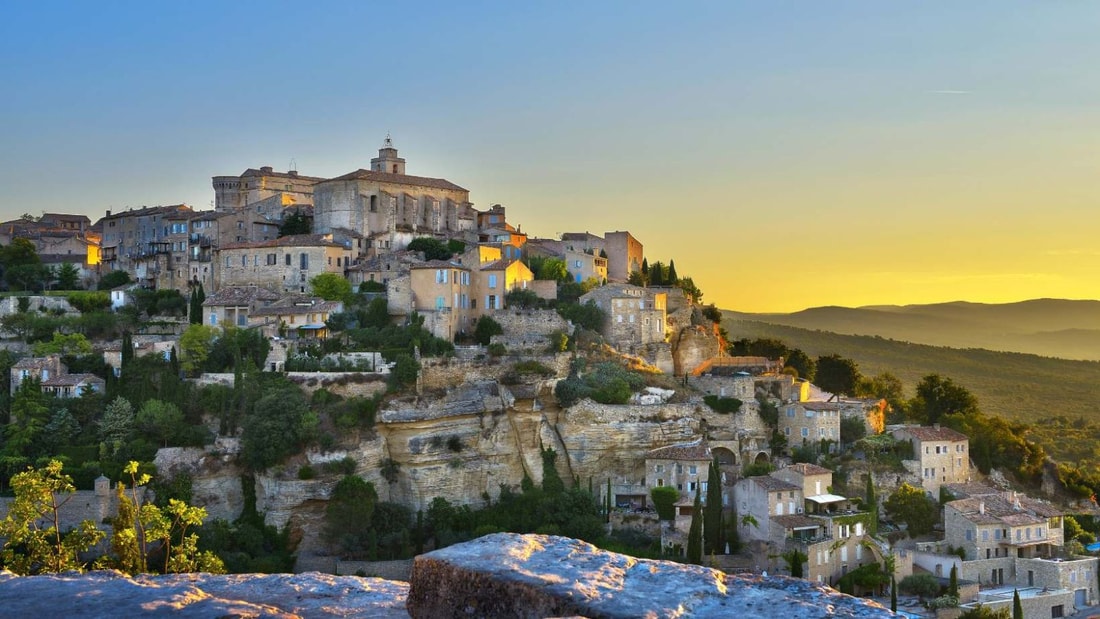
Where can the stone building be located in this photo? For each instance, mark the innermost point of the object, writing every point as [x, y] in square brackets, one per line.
[443, 293]
[583, 266]
[54, 377]
[624, 252]
[809, 422]
[295, 317]
[635, 315]
[234, 305]
[944, 454]
[389, 207]
[383, 267]
[136, 238]
[285, 264]
[263, 191]
[1003, 525]
[764, 497]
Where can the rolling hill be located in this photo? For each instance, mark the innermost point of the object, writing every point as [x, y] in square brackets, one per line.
[1047, 327]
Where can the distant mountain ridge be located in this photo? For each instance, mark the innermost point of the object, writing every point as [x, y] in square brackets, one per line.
[1068, 329]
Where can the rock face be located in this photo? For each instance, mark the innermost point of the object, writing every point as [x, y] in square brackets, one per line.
[510, 575]
[502, 575]
[112, 594]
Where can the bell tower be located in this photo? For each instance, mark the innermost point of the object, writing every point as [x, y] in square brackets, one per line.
[387, 159]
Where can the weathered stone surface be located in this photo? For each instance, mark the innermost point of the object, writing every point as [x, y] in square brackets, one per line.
[112, 594]
[510, 575]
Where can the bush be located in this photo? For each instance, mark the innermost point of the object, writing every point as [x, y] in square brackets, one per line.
[372, 287]
[497, 350]
[923, 585]
[559, 342]
[306, 472]
[485, 329]
[454, 443]
[722, 405]
[758, 468]
[664, 500]
[87, 302]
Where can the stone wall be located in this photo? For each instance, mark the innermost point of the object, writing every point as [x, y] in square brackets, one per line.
[444, 372]
[343, 384]
[10, 305]
[692, 347]
[528, 330]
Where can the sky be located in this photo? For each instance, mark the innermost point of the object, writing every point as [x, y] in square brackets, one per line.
[785, 154]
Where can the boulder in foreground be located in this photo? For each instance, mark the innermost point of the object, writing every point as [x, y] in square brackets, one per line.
[511, 575]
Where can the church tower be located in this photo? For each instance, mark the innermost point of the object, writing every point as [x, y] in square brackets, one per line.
[387, 159]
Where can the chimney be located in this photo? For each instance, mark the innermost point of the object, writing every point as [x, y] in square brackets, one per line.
[267, 169]
[936, 426]
[292, 172]
[981, 507]
[108, 212]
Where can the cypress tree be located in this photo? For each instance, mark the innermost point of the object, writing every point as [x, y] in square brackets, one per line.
[607, 500]
[1017, 607]
[953, 582]
[194, 308]
[645, 266]
[419, 531]
[695, 532]
[893, 594]
[672, 278]
[872, 504]
[712, 516]
[127, 349]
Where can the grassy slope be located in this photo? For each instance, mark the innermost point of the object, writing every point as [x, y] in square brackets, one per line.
[1017, 386]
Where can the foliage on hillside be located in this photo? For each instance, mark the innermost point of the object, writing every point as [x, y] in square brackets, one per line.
[1017, 387]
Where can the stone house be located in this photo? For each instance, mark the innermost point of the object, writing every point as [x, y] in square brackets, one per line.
[134, 238]
[1003, 525]
[384, 201]
[764, 497]
[583, 266]
[285, 264]
[211, 230]
[443, 293]
[624, 252]
[295, 317]
[54, 377]
[234, 305]
[944, 454]
[635, 315]
[382, 268]
[872, 411]
[809, 422]
[494, 280]
[684, 466]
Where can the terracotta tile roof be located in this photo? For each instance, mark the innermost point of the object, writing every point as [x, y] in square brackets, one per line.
[36, 363]
[809, 469]
[932, 433]
[398, 179]
[439, 264]
[149, 210]
[497, 265]
[820, 406]
[769, 483]
[970, 489]
[683, 451]
[239, 296]
[298, 305]
[296, 240]
[71, 380]
[1019, 511]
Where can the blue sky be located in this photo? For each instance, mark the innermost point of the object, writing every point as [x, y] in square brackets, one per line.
[785, 154]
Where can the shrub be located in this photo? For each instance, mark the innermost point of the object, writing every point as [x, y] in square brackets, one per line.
[485, 329]
[722, 405]
[497, 350]
[306, 472]
[664, 500]
[454, 443]
[559, 342]
[923, 585]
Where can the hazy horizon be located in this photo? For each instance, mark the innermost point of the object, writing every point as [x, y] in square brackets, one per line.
[785, 155]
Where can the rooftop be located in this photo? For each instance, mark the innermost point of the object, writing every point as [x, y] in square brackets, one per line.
[1019, 510]
[769, 483]
[399, 179]
[809, 469]
[683, 451]
[294, 240]
[934, 433]
[239, 295]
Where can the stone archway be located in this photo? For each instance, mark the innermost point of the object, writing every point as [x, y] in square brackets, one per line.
[725, 457]
[762, 458]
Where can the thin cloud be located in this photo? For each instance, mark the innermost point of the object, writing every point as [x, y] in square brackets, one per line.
[950, 92]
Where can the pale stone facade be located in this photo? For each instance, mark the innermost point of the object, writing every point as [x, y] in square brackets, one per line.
[944, 454]
[235, 193]
[624, 252]
[809, 422]
[635, 315]
[764, 497]
[583, 266]
[285, 264]
[54, 377]
[382, 202]
[999, 525]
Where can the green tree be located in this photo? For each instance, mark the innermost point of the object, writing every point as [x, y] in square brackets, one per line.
[852, 429]
[433, 249]
[348, 514]
[802, 363]
[664, 501]
[33, 541]
[405, 370]
[87, 302]
[331, 287]
[29, 416]
[553, 269]
[63, 344]
[296, 223]
[911, 506]
[837, 375]
[1017, 606]
[893, 594]
[113, 280]
[695, 532]
[280, 424]
[485, 329]
[672, 277]
[161, 421]
[872, 505]
[117, 424]
[194, 307]
[953, 582]
[712, 521]
[68, 277]
[195, 345]
[938, 397]
[982, 611]
[794, 558]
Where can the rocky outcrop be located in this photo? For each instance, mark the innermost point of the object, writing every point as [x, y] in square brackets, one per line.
[510, 575]
[112, 594]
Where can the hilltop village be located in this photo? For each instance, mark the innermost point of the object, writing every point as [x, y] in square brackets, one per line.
[345, 372]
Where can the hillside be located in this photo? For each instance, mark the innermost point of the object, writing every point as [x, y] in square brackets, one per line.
[1048, 327]
[1018, 386]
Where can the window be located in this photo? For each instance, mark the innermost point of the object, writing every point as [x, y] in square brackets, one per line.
[228, 261]
[439, 303]
[441, 276]
[288, 259]
[303, 258]
[492, 281]
[790, 412]
[660, 482]
[805, 432]
[213, 319]
[660, 468]
[692, 470]
[272, 259]
[242, 320]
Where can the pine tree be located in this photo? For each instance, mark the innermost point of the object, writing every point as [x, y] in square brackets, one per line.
[672, 279]
[712, 516]
[695, 532]
[1017, 606]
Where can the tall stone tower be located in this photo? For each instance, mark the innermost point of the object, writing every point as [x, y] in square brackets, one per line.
[387, 159]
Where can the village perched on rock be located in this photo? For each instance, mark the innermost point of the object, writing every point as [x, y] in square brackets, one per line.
[367, 376]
